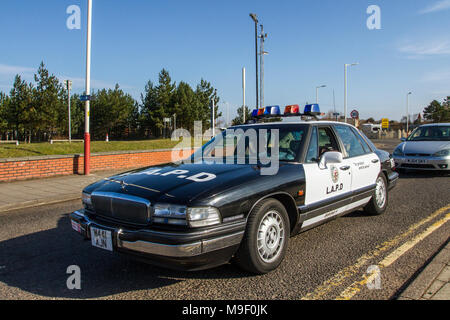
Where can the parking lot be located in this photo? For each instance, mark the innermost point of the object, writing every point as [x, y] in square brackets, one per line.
[328, 262]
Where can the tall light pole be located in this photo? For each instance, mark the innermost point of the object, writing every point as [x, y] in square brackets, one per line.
[345, 88]
[317, 92]
[87, 137]
[255, 19]
[262, 53]
[69, 87]
[407, 112]
[213, 114]
[244, 109]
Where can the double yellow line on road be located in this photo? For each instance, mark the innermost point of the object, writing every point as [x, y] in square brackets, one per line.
[338, 279]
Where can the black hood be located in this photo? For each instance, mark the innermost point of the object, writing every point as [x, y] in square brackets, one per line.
[178, 183]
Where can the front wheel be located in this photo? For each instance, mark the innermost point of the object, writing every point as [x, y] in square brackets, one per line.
[266, 239]
[379, 201]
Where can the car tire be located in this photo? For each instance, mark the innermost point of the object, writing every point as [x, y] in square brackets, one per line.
[266, 238]
[380, 198]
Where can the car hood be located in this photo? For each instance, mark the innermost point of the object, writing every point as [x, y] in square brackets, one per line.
[177, 183]
[428, 147]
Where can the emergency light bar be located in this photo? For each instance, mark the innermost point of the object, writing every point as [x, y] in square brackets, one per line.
[311, 110]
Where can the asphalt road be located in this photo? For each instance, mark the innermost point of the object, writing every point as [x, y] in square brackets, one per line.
[331, 261]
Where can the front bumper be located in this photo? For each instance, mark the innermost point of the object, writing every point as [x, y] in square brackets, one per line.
[422, 163]
[188, 250]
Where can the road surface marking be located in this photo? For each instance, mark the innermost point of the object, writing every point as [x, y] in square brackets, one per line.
[353, 289]
[349, 271]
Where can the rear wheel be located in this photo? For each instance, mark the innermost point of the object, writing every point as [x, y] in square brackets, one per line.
[380, 198]
[266, 239]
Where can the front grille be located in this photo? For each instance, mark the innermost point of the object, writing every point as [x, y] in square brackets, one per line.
[121, 207]
[418, 154]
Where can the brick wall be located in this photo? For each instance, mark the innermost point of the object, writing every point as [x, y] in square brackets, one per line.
[47, 166]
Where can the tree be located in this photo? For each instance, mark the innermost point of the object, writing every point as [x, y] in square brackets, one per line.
[437, 112]
[48, 99]
[21, 113]
[240, 117]
[4, 101]
[186, 106]
[111, 113]
[205, 94]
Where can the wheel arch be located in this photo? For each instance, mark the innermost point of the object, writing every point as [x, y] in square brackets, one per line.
[289, 204]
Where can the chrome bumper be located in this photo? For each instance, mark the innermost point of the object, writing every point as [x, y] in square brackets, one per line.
[184, 250]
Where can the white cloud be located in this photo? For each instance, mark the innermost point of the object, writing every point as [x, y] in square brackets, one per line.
[424, 49]
[79, 83]
[438, 6]
[7, 73]
[13, 70]
[437, 76]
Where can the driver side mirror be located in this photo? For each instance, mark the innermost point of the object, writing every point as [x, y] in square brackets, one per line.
[330, 157]
[403, 139]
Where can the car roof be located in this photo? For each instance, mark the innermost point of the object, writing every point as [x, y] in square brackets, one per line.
[435, 124]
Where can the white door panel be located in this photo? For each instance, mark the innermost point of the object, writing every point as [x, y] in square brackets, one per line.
[323, 184]
[365, 170]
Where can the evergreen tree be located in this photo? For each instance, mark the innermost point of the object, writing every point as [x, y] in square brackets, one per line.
[240, 117]
[48, 100]
[149, 102]
[434, 112]
[21, 113]
[111, 112]
[205, 93]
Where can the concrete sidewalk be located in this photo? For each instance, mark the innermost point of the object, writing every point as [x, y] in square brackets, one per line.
[23, 194]
[433, 283]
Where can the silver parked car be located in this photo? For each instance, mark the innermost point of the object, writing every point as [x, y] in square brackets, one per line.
[427, 148]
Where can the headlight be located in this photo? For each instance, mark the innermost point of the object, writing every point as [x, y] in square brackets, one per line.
[442, 153]
[203, 216]
[398, 152]
[86, 200]
[169, 214]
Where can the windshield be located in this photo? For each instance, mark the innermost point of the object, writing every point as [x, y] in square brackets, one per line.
[430, 133]
[251, 144]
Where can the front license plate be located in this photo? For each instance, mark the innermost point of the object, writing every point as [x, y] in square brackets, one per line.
[417, 161]
[101, 238]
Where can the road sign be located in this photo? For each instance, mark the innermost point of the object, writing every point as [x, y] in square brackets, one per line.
[354, 114]
[85, 98]
[385, 123]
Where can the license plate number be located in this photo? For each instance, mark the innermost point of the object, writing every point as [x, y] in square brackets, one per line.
[417, 161]
[101, 238]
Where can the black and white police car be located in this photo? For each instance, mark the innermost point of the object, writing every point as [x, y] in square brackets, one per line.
[202, 213]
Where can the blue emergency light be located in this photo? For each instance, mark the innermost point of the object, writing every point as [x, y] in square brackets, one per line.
[312, 110]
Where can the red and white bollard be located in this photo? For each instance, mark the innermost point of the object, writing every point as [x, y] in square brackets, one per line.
[107, 138]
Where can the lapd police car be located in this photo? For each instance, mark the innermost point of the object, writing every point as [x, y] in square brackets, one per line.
[242, 205]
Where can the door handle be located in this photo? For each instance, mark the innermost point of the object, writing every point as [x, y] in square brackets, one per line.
[375, 160]
[345, 168]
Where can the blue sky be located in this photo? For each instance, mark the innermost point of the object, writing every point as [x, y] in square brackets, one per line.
[309, 42]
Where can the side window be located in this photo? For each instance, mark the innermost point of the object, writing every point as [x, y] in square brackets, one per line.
[363, 142]
[327, 141]
[313, 150]
[351, 143]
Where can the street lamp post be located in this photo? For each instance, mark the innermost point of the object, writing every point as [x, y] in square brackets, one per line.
[345, 88]
[87, 137]
[69, 87]
[407, 112]
[243, 94]
[263, 37]
[317, 92]
[255, 19]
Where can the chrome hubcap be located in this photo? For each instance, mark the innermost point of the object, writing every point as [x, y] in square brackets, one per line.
[380, 193]
[271, 236]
